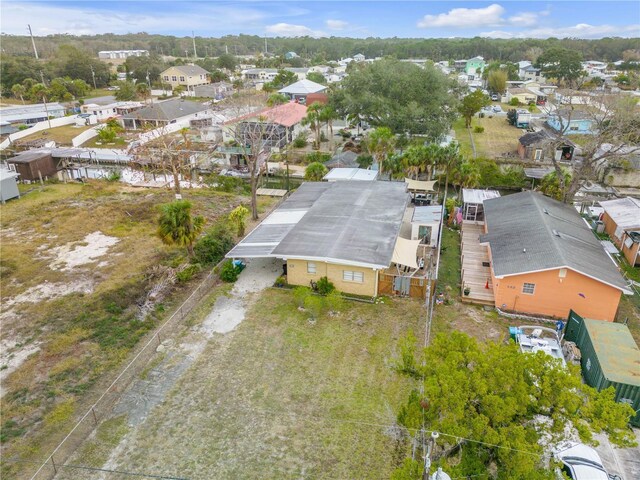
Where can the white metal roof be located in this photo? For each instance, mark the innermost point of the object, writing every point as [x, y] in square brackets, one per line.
[471, 195]
[350, 174]
[624, 211]
[427, 214]
[303, 87]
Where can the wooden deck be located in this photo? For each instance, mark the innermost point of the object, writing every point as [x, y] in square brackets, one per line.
[475, 275]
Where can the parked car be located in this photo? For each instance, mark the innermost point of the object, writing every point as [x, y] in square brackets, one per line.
[497, 108]
[580, 462]
[495, 97]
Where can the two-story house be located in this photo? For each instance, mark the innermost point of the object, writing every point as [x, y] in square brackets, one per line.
[185, 75]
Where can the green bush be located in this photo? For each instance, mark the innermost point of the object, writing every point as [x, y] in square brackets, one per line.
[300, 294]
[315, 305]
[364, 161]
[114, 176]
[214, 245]
[478, 129]
[188, 273]
[229, 272]
[514, 102]
[300, 141]
[324, 286]
[323, 137]
[317, 157]
[335, 301]
[281, 281]
[222, 183]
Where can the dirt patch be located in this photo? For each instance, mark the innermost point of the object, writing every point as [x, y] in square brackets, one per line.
[49, 291]
[75, 254]
[13, 354]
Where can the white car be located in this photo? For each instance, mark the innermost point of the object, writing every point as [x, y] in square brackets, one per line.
[580, 462]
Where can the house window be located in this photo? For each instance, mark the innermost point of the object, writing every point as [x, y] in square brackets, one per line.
[574, 129]
[311, 267]
[350, 276]
[181, 78]
[538, 154]
[166, 78]
[174, 78]
[528, 288]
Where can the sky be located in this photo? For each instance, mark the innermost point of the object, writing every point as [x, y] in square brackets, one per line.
[415, 19]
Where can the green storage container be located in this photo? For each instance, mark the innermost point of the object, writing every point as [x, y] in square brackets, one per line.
[610, 357]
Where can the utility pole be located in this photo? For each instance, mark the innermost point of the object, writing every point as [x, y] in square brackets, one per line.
[42, 78]
[193, 37]
[266, 50]
[226, 49]
[33, 42]
[93, 75]
[427, 457]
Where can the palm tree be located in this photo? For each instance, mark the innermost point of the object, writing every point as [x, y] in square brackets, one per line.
[18, 91]
[315, 172]
[176, 226]
[328, 115]
[314, 120]
[277, 99]
[143, 90]
[40, 92]
[380, 144]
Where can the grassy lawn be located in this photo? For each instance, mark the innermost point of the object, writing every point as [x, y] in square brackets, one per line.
[77, 323]
[100, 92]
[61, 135]
[497, 139]
[96, 143]
[283, 398]
[450, 266]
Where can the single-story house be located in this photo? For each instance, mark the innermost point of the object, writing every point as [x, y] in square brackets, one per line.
[345, 231]
[621, 220]
[29, 114]
[299, 90]
[524, 95]
[163, 113]
[344, 159]
[572, 122]
[186, 75]
[545, 260]
[473, 201]
[425, 223]
[278, 125]
[218, 90]
[356, 174]
[8, 184]
[358, 57]
[104, 112]
[32, 165]
[542, 146]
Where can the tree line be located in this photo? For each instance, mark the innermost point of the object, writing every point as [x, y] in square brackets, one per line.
[320, 50]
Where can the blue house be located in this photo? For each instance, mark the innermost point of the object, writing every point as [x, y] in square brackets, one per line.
[572, 122]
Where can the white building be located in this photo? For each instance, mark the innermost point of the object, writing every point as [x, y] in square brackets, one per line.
[28, 114]
[116, 54]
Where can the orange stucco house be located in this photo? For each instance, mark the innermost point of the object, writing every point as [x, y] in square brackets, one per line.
[621, 220]
[545, 260]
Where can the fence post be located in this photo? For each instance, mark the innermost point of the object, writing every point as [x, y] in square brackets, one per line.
[55, 470]
[95, 418]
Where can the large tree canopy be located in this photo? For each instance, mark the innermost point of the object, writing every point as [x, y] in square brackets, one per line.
[561, 63]
[398, 95]
[499, 398]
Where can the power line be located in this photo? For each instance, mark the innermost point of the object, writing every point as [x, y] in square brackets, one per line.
[106, 470]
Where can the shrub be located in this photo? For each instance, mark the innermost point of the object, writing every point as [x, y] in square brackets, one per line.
[335, 302]
[281, 281]
[187, 274]
[238, 219]
[514, 102]
[324, 286]
[229, 272]
[315, 305]
[344, 133]
[317, 157]
[222, 183]
[300, 294]
[364, 161]
[114, 176]
[323, 137]
[300, 141]
[213, 246]
[478, 129]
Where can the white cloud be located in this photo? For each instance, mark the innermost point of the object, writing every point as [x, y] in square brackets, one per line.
[525, 19]
[336, 24]
[205, 19]
[465, 17]
[289, 30]
[581, 30]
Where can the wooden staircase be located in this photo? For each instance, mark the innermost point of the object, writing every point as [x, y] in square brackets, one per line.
[475, 275]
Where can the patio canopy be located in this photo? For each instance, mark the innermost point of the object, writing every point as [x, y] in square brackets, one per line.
[406, 252]
[419, 186]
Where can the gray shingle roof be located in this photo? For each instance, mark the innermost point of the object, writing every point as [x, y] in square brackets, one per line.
[343, 159]
[530, 232]
[191, 70]
[167, 110]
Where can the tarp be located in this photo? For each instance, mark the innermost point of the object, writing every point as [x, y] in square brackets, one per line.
[406, 252]
[420, 186]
